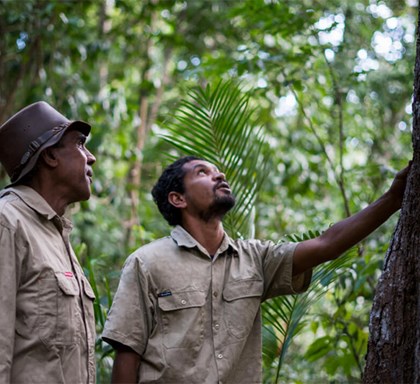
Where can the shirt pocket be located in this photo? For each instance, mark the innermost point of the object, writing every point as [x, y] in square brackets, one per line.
[87, 289]
[88, 299]
[182, 319]
[59, 310]
[242, 300]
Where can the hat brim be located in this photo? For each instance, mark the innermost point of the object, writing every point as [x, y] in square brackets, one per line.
[76, 124]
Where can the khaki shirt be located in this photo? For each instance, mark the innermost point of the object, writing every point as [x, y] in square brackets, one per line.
[197, 319]
[46, 303]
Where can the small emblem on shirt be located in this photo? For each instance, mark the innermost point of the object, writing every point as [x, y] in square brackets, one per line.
[165, 293]
[68, 274]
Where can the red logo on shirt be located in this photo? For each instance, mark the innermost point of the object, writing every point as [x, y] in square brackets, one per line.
[68, 274]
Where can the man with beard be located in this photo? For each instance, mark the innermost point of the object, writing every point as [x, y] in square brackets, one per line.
[187, 309]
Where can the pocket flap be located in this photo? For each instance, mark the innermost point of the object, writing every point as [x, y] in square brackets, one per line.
[87, 288]
[67, 283]
[182, 300]
[243, 288]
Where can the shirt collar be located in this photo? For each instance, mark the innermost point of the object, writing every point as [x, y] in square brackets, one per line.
[184, 239]
[34, 201]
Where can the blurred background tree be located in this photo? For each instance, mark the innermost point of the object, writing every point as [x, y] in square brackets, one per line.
[331, 84]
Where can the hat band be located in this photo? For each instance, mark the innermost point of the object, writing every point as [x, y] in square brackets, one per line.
[34, 146]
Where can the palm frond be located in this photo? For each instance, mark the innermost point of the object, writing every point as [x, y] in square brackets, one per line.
[215, 124]
[285, 315]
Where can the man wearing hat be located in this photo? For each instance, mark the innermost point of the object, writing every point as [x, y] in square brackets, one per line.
[46, 303]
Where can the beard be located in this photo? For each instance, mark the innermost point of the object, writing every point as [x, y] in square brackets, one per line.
[218, 209]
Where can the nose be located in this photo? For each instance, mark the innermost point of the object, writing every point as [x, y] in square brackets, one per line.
[220, 176]
[90, 158]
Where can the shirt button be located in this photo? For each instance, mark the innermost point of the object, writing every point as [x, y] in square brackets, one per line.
[220, 356]
[215, 294]
[183, 302]
[216, 325]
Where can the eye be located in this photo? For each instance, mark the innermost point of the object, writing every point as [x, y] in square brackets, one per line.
[201, 171]
[81, 142]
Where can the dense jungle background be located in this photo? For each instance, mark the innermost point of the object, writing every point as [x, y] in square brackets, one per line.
[327, 88]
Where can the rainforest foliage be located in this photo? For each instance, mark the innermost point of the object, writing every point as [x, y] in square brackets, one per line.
[306, 105]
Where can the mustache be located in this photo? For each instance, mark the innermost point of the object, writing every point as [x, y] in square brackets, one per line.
[221, 184]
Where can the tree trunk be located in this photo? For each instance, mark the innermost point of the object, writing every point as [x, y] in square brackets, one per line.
[148, 112]
[394, 344]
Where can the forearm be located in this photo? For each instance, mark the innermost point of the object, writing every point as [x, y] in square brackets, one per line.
[126, 367]
[344, 235]
[348, 232]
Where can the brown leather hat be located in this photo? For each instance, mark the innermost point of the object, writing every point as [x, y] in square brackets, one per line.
[27, 133]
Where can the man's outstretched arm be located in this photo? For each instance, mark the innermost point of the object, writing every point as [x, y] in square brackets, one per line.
[348, 232]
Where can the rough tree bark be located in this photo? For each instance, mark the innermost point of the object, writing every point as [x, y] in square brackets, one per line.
[394, 344]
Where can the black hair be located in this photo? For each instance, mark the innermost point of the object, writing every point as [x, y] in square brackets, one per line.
[171, 180]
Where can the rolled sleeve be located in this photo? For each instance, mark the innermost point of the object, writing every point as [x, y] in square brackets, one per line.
[278, 272]
[129, 320]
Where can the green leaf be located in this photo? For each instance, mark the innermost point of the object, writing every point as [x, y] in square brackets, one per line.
[215, 123]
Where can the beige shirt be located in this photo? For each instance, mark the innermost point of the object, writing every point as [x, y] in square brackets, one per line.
[194, 318]
[46, 303]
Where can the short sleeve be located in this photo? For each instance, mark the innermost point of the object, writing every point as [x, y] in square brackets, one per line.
[129, 320]
[278, 271]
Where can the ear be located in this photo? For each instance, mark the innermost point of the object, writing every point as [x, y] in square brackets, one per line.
[49, 157]
[177, 199]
